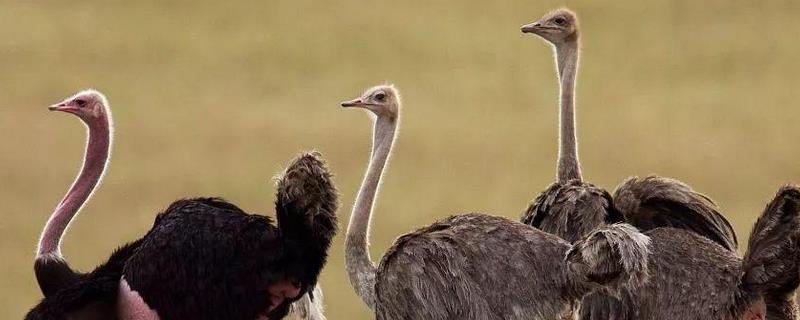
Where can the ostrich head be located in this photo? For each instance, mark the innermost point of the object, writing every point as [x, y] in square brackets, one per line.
[556, 27]
[383, 101]
[89, 105]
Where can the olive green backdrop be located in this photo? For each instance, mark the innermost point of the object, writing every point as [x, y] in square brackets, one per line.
[213, 99]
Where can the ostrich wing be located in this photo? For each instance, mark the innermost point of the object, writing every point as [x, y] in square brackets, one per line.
[654, 202]
[571, 210]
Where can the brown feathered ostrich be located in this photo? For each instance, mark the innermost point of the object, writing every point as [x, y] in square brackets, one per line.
[477, 266]
[204, 258]
[571, 207]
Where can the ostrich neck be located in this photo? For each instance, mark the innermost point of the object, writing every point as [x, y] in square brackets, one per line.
[94, 164]
[359, 264]
[567, 60]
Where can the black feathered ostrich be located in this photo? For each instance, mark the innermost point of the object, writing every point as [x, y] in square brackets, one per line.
[571, 207]
[477, 266]
[204, 258]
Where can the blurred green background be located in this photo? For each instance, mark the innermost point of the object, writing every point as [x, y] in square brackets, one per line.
[214, 99]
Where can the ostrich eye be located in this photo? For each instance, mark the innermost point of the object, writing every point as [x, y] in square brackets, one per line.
[380, 96]
[560, 21]
[81, 103]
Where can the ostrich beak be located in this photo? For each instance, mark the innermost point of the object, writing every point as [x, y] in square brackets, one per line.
[353, 103]
[531, 27]
[63, 106]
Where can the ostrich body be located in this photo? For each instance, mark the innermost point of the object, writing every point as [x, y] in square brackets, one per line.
[694, 278]
[571, 207]
[477, 266]
[204, 258]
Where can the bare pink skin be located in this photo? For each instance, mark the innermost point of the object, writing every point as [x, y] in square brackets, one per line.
[131, 306]
[280, 291]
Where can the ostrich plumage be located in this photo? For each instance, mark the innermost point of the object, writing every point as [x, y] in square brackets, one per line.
[477, 266]
[654, 202]
[694, 278]
[204, 258]
[572, 209]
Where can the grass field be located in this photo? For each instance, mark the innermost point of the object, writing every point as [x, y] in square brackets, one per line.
[214, 99]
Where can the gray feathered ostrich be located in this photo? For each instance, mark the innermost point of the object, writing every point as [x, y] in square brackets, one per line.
[571, 207]
[695, 279]
[477, 266]
[204, 258]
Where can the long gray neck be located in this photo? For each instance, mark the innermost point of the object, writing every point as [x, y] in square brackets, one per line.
[567, 62]
[94, 164]
[358, 263]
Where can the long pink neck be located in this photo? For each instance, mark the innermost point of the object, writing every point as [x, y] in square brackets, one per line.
[94, 164]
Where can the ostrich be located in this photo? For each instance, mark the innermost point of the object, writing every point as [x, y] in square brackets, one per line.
[571, 207]
[694, 278]
[477, 266]
[648, 203]
[204, 258]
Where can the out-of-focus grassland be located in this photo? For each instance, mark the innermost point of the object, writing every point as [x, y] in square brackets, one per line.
[213, 99]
